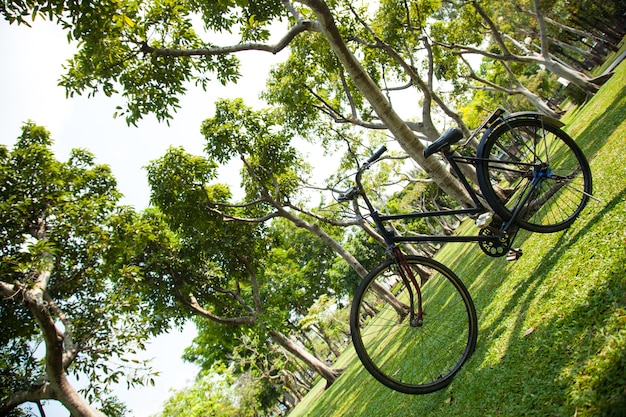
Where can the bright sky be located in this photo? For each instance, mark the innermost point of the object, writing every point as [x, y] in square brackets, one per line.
[32, 64]
[32, 60]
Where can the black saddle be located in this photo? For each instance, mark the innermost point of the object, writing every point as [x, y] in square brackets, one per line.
[449, 137]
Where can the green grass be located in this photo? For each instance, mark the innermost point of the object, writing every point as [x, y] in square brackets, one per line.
[552, 338]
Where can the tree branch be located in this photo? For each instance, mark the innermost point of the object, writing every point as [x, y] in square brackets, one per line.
[9, 291]
[70, 350]
[210, 206]
[32, 394]
[492, 28]
[301, 25]
[230, 217]
[492, 86]
[323, 219]
[255, 285]
[235, 295]
[193, 304]
[543, 33]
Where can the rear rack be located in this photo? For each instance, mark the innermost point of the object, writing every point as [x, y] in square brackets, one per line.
[495, 115]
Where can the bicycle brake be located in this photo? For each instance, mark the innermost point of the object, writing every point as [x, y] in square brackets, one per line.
[349, 195]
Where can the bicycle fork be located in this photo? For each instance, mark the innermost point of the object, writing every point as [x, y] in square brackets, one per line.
[416, 312]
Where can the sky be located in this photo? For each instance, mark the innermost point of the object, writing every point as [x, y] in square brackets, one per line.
[32, 60]
[32, 65]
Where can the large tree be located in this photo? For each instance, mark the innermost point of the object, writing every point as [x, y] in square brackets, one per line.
[61, 314]
[217, 260]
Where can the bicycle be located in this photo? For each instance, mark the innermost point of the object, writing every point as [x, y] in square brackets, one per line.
[412, 320]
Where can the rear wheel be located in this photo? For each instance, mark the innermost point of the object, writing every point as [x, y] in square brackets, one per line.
[413, 356]
[531, 169]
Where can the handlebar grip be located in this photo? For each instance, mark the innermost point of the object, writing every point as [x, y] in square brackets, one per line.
[377, 154]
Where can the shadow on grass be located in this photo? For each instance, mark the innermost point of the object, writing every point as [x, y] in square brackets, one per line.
[346, 396]
[570, 365]
[575, 353]
[552, 337]
[567, 240]
[572, 350]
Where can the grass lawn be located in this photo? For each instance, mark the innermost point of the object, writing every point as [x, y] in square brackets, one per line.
[552, 339]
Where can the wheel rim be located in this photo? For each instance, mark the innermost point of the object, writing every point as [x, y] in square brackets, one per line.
[408, 358]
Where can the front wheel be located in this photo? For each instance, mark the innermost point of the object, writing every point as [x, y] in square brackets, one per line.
[533, 171]
[409, 356]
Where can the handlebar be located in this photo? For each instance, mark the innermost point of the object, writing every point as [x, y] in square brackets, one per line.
[376, 154]
[354, 192]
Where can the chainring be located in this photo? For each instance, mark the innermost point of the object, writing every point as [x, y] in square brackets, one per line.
[494, 248]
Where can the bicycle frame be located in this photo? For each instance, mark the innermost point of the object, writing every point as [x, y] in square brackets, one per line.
[523, 162]
[391, 239]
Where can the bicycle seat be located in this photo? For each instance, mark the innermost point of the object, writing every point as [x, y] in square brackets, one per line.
[449, 137]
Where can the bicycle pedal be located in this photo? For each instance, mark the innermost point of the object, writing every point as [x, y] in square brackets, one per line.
[484, 220]
[514, 254]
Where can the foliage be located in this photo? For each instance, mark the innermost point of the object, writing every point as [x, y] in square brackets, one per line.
[219, 393]
[151, 52]
[210, 395]
[345, 61]
[257, 137]
[55, 225]
[236, 263]
[363, 247]
[119, 38]
[240, 266]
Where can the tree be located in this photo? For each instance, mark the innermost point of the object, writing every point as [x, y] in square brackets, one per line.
[272, 176]
[152, 51]
[60, 311]
[328, 321]
[600, 23]
[221, 392]
[210, 394]
[505, 44]
[226, 263]
[213, 257]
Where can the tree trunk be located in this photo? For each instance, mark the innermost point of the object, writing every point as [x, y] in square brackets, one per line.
[319, 331]
[55, 371]
[541, 58]
[55, 384]
[574, 76]
[372, 92]
[295, 393]
[328, 373]
[326, 338]
[59, 346]
[400, 308]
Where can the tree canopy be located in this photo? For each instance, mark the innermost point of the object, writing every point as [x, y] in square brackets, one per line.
[344, 60]
[61, 312]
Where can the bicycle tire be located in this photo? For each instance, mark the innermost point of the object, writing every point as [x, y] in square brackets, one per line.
[414, 359]
[532, 167]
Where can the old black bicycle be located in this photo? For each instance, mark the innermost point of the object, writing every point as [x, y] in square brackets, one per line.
[412, 320]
